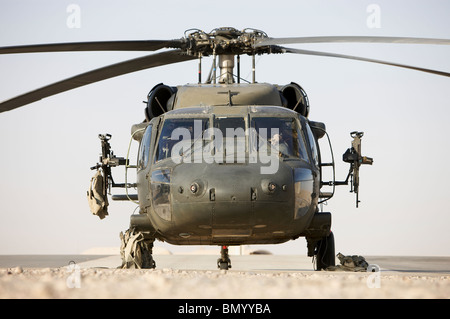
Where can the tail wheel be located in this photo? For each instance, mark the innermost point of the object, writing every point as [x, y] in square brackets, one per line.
[224, 262]
[325, 256]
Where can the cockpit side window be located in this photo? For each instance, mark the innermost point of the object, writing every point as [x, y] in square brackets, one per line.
[144, 148]
[313, 145]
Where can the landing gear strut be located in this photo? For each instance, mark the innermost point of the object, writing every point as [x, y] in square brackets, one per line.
[325, 254]
[224, 261]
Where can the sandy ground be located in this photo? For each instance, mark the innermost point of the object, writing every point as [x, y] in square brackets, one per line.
[75, 282]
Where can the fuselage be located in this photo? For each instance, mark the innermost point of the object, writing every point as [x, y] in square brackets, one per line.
[227, 174]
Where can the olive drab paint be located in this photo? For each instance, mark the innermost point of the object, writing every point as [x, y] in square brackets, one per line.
[224, 161]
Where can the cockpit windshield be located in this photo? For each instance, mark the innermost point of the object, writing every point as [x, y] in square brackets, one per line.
[184, 132]
[230, 139]
[279, 133]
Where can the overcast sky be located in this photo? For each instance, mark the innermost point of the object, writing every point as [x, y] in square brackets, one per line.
[47, 147]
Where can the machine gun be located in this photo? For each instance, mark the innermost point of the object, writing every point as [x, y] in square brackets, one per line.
[355, 159]
[102, 181]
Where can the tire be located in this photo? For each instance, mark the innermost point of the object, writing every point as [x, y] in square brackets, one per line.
[325, 256]
[147, 260]
[223, 265]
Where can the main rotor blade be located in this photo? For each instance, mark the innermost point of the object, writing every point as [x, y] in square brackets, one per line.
[144, 45]
[350, 39]
[336, 55]
[138, 64]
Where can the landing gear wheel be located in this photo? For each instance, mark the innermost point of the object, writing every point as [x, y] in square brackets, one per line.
[325, 255]
[147, 259]
[222, 265]
[136, 250]
[224, 262]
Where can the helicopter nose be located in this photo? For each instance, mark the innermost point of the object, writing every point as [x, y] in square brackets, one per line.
[222, 183]
[231, 196]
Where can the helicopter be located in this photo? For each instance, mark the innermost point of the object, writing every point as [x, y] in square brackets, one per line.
[220, 162]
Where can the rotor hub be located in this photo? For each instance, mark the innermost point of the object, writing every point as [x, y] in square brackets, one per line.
[229, 41]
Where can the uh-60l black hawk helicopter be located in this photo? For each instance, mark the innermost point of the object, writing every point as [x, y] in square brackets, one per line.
[221, 162]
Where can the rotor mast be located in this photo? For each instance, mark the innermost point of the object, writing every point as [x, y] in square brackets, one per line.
[226, 43]
[226, 65]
